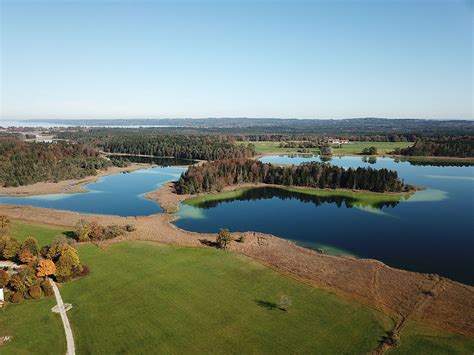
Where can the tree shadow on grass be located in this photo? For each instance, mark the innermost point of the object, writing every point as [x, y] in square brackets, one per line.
[267, 305]
[209, 243]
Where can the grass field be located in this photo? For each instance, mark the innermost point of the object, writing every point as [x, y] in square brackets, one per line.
[148, 298]
[347, 149]
[43, 233]
[383, 148]
[417, 338]
[273, 147]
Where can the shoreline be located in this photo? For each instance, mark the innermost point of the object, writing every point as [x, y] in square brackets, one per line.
[66, 186]
[446, 304]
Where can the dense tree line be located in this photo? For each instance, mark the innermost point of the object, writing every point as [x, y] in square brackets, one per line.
[185, 147]
[23, 163]
[462, 147]
[213, 176]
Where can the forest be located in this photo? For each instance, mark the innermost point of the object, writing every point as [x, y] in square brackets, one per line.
[184, 147]
[213, 176]
[23, 163]
[462, 147]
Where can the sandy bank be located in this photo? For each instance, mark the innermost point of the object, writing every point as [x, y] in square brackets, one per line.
[65, 186]
[404, 295]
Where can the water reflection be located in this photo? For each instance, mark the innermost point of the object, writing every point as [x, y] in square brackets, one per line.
[266, 193]
[164, 162]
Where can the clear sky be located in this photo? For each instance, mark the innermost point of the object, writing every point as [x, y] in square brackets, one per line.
[303, 59]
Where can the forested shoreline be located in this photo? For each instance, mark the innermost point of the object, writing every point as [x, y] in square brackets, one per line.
[214, 176]
[461, 147]
[24, 163]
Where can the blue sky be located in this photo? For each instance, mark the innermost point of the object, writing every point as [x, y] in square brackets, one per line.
[304, 59]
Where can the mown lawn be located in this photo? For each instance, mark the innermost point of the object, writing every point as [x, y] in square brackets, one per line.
[355, 148]
[33, 327]
[273, 147]
[43, 233]
[158, 299]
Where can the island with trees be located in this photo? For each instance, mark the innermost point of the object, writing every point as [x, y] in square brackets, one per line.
[214, 176]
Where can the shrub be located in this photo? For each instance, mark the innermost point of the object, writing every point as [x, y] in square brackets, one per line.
[17, 297]
[242, 239]
[223, 239]
[84, 272]
[82, 230]
[96, 231]
[35, 292]
[47, 288]
[130, 228]
[113, 231]
[4, 278]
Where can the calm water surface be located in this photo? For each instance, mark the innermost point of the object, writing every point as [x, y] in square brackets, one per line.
[430, 232]
[120, 194]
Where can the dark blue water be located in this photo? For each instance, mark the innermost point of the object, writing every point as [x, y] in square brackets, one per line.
[430, 232]
[120, 194]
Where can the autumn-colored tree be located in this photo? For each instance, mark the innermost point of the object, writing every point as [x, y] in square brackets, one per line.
[47, 288]
[96, 231]
[56, 248]
[31, 244]
[45, 268]
[26, 256]
[4, 225]
[68, 264]
[17, 297]
[11, 249]
[82, 230]
[35, 292]
[4, 278]
[16, 283]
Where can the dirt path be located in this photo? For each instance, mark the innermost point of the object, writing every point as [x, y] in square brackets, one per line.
[71, 349]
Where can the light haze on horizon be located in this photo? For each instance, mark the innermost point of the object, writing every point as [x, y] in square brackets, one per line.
[284, 59]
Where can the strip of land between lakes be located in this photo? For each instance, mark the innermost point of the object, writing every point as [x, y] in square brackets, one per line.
[65, 186]
[392, 291]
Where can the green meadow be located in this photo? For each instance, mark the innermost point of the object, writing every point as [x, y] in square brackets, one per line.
[354, 148]
[43, 233]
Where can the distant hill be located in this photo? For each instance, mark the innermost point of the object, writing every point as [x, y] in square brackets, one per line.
[275, 125]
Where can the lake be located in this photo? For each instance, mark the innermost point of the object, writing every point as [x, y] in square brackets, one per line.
[431, 232]
[120, 194]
